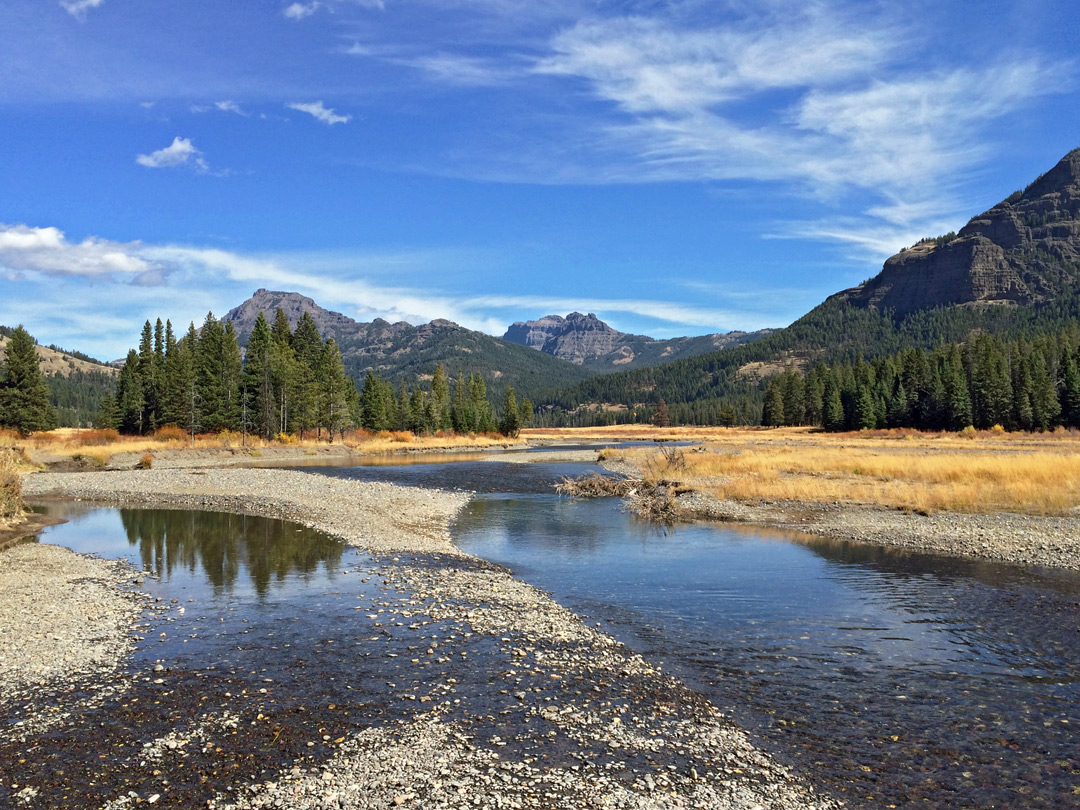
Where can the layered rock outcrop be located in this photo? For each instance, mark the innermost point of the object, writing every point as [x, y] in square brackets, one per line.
[1024, 251]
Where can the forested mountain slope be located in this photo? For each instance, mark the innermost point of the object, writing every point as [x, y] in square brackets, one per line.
[1013, 269]
[76, 381]
[401, 352]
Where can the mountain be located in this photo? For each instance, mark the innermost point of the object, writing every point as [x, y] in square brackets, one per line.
[585, 340]
[401, 352]
[1014, 269]
[59, 362]
[1024, 251]
[76, 381]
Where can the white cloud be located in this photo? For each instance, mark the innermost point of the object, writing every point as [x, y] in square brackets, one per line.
[298, 11]
[229, 106]
[180, 152]
[46, 250]
[813, 97]
[320, 112]
[78, 8]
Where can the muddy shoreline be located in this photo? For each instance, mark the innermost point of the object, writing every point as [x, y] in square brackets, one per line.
[584, 722]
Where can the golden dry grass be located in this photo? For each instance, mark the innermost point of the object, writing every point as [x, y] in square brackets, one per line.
[99, 446]
[976, 472]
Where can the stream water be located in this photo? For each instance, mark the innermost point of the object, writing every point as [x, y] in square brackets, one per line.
[889, 679]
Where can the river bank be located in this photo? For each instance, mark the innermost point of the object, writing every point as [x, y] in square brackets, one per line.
[1050, 542]
[596, 726]
[994, 535]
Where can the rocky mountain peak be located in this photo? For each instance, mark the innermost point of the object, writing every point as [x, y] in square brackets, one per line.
[587, 340]
[1022, 252]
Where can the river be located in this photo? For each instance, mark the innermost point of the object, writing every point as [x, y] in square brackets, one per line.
[887, 678]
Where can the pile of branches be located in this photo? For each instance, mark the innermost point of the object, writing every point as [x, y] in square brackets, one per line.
[655, 502]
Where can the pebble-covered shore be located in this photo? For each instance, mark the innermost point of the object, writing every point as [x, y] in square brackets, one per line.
[1052, 542]
[596, 726]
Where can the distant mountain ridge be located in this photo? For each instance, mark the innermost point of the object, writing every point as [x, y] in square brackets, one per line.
[585, 340]
[401, 352]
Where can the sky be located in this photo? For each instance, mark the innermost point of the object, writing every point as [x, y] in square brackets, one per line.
[677, 168]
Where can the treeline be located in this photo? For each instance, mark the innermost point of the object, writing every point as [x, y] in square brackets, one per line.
[77, 396]
[835, 332]
[467, 410]
[288, 382]
[1019, 383]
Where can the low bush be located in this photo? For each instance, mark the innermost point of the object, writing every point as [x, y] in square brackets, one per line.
[171, 433]
[145, 463]
[96, 438]
[11, 503]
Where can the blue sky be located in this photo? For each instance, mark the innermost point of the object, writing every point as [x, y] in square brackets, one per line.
[675, 167]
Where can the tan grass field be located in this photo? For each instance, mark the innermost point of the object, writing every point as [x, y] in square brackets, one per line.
[99, 446]
[982, 471]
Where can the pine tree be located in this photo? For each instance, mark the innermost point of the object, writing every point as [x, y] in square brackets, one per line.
[440, 392]
[108, 415]
[333, 385]
[307, 347]
[147, 372]
[772, 412]
[259, 379]
[525, 412]
[865, 409]
[461, 419]
[511, 420]
[24, 393]
[662, 418]
[129, 396]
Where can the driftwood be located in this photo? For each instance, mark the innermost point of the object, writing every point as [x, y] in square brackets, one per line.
[652, 501]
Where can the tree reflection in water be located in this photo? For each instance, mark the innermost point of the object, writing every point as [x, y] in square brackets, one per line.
[225, 545]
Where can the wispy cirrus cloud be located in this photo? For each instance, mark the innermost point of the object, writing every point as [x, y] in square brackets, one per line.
[320, 112]
[828, 105]
[78, 8]
[299, 11]
[181, 152]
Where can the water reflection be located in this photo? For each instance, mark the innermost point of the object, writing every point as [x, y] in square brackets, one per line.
[225, 546]
[893, 677]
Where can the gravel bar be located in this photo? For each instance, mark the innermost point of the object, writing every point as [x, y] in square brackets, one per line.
[1050, 542]
[592, 724]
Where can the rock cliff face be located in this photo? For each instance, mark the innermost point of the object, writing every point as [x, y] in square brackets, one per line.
[1022, 252]
[585, 340]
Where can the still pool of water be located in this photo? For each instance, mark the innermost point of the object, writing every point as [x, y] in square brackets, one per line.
[890, 678]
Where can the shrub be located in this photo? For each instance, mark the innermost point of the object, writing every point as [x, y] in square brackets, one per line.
[96, 438]
[170, 433]
[402, 436]
[11, 503]
[285, 438]
[145, 463]
[997, 429]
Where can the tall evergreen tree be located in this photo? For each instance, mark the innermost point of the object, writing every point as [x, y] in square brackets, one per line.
[440, 393]
[333, 385]
[772, 413]
[259, 379]
[511, 419]
[307, 347]
[24, 393]
[129, 395]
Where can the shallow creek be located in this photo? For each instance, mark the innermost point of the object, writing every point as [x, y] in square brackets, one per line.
[888, 679]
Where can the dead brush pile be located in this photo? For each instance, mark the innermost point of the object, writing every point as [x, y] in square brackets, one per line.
[11, 503]
[653, 501]
[595, 485]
